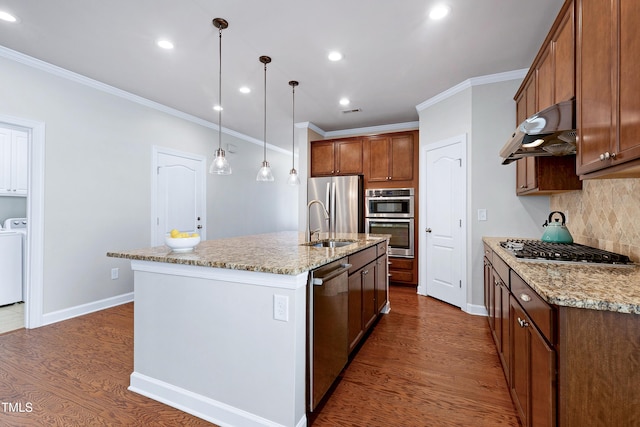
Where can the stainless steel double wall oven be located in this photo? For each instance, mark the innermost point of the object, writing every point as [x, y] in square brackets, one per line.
[391, 211]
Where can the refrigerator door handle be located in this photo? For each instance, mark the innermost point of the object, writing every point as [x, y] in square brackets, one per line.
[327, 197]
[332, 213]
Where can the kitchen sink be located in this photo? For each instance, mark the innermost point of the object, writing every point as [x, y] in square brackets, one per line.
[330, 243]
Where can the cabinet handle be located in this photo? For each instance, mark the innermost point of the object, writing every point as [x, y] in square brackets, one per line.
[365, 272]
[607, 155]
[523, 186]
[523, 323]
[525, 297]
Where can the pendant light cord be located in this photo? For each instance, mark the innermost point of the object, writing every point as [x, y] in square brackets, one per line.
[293, 126]
[220, 89]
[265, 111]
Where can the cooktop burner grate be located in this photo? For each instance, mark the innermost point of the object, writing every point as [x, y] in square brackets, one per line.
[567, 252]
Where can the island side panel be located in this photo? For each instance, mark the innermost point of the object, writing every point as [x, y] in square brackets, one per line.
[219, 340]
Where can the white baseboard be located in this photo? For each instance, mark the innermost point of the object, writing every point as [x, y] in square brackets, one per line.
[476, 310]
[79, 310]
[200, 406]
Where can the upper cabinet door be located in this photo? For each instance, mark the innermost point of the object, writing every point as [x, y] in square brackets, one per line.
[348, 157]
[629, 86]
[564, 57]
[322, 158]
[608, 119]
[595, 62]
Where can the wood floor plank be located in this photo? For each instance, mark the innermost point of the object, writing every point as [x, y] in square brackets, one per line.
[425, 364]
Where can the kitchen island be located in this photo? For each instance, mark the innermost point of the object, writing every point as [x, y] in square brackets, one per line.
[568, 337]
[206, 337]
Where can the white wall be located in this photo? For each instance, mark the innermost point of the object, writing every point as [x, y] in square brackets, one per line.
[97, 180]
[486, 113]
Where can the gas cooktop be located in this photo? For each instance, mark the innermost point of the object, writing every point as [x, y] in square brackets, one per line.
[537, 250]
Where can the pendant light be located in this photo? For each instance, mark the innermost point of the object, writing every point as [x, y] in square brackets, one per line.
[220, 165]
[264, 174]
[293, 173]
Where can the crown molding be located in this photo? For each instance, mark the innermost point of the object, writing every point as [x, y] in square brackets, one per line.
[474, 81]
[38, 64]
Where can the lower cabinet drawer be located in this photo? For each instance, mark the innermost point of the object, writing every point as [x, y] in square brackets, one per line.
[540, 312]
[401, 270]
[400, 276]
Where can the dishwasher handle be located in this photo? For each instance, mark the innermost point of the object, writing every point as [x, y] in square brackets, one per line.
[318, 281]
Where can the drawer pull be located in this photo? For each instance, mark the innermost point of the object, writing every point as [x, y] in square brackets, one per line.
[525, 297]
[523, 323]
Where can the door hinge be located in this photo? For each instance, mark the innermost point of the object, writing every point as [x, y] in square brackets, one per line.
[157, 221]
[460, 162]
[460, 223]
[460, 284]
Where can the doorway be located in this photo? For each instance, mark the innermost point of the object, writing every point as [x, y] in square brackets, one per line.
[33, 263]
[443, 198]
[178, 193]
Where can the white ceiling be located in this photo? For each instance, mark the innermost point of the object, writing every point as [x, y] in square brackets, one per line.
[394, 57]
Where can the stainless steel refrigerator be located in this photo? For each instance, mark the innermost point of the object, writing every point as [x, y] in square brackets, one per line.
[344, 199]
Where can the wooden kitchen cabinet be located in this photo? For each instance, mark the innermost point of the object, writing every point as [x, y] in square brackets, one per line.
[390, 157]
[608, 57]
[362, 294]
[336, 157]
[14, 162]
[549, 81]
[402, 271]
[497, 303]
[533, 371]
[382, 277]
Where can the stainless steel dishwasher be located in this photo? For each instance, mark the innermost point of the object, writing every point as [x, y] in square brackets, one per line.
[328, 293]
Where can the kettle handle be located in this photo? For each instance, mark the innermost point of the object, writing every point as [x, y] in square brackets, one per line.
[561, 216]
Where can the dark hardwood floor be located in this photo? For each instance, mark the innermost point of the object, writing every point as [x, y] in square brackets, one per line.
[425, 364]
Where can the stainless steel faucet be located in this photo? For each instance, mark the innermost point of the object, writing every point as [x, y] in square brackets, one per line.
[326, 217]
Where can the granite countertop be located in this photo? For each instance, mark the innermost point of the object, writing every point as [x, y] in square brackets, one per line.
[583, 286]
[279, 253]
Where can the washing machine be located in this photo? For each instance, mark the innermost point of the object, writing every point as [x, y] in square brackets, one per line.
[11, 266]
[19, 226]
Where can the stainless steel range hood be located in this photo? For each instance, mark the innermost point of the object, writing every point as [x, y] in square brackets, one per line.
[550, 132]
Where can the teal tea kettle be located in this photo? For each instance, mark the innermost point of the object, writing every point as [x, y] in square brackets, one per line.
[556, 232]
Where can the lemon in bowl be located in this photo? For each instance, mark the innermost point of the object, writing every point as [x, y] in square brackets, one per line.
[181, 241]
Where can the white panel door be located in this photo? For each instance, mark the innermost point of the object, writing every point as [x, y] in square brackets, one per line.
[179, 194]
[444, 237]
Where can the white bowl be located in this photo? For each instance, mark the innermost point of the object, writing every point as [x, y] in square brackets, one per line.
[182, 244]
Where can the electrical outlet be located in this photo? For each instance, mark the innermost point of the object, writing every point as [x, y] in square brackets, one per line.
[281, 307]
[115, 272]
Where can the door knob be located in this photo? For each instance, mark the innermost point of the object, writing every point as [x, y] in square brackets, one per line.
[428, 230]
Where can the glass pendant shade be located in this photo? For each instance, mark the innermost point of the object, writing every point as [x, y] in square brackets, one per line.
[220, 164]
[265, 174]
[293, 179]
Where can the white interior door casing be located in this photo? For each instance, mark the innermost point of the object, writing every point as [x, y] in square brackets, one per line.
[178, 194]
[443, 198]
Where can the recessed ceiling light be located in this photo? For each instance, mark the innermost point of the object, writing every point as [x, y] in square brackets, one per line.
[165, 44]
[245, 89]
[335, 56]
[439, 11]
[6, 16]
[218, 108]
[344, 101]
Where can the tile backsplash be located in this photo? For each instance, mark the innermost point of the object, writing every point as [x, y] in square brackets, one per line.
[605, 214]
